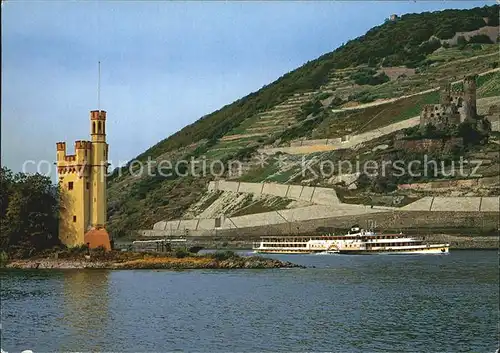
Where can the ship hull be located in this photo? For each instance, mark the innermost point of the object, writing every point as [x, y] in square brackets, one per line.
[436, 250]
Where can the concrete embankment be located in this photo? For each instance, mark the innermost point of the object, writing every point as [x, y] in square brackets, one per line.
[431, 221]
[328, 210]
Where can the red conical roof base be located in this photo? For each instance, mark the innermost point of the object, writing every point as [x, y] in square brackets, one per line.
[97, 237]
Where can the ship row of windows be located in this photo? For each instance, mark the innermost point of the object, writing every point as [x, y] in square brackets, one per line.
[390, 244]
[323, 237]
[285, 245]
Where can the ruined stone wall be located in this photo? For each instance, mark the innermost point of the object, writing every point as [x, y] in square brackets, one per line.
[494, 117]
[439, 115]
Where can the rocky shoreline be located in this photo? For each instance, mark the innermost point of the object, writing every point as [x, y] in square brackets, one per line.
[194, 262]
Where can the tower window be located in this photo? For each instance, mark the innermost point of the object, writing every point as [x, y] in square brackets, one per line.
[87, 186]
[74, 218]
[93, 127]
[99, 127]
[70, 185]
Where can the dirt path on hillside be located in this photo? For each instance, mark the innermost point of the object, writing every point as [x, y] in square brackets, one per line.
[390, 100]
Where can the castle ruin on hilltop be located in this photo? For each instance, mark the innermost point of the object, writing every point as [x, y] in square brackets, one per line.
[455, 106]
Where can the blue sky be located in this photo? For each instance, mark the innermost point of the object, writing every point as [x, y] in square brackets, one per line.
[164, 64]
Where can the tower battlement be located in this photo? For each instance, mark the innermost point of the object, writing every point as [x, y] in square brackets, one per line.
[61, 146]
[81, 155]
[94, 115]
[470, 80]
[83, 145]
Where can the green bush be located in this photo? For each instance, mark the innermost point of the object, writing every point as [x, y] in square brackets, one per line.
[363, 182]
[412, 133]
[461, 42]
[312, 107]
[470, 134]
[324, 96]
[362, 97]
[181, 253]
[336, 102]
[223, 255]
[4, 258]
[369, 76]
[481, 39]
[429, 46]
[245, 153]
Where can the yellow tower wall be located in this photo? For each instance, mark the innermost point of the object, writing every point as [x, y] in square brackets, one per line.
[73, 179]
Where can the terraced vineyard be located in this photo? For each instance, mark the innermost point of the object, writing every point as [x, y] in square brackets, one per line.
[327, 98]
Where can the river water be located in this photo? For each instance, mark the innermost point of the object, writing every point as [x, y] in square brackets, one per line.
[406, 303]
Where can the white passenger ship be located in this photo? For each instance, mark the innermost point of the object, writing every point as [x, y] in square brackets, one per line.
[357, 241]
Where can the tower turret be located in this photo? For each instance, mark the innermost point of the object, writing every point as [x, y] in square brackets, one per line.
[98, 125]
[99, 166]
[445, 94]
[82, 152]
[61, 151]
[469, 100]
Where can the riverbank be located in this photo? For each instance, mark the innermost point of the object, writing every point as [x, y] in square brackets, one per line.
[132, 261]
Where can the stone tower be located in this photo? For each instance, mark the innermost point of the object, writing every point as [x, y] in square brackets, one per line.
[82, 182]
[469, 101]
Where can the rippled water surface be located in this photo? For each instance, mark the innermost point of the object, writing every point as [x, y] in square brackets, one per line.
[345, 303]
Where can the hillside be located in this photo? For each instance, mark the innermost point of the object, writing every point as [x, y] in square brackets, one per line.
[381, 78]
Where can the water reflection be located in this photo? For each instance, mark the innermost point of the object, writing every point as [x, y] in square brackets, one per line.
[354, 304]
[86, 308]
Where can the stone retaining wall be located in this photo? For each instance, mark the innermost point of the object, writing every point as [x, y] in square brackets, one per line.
[423, 221]
[316, 195]
[447, 184]
[457, 204]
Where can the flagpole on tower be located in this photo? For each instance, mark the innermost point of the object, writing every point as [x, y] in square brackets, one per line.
[99, 86]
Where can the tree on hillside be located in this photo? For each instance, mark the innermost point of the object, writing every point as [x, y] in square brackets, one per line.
[29, 213]
[461, 42]
[481, 39]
